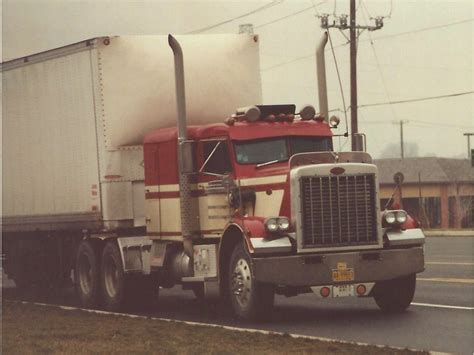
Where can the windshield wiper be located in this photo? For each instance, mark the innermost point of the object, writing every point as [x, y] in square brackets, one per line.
[269, 163]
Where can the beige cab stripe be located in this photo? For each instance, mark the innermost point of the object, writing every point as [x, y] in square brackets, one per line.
[243, 182]
[263, 180]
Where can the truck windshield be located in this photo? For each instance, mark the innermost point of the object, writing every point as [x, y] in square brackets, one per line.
[278, 149]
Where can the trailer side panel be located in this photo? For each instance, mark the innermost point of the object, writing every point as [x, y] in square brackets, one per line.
[50, 157]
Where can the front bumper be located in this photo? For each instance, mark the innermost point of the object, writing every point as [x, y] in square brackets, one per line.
[317, 269]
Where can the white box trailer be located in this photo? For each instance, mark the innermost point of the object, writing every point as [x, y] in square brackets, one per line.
[74, 119]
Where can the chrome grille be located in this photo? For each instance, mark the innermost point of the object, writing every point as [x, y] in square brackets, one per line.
[338, 210]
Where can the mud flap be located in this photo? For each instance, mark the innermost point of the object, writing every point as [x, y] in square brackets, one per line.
[136, 254]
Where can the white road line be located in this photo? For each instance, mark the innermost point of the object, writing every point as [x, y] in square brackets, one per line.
[447, 263]
[441, 306]
[449, 257]
[446, 279]
[211, 325]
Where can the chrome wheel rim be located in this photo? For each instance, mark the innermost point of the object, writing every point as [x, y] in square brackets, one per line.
[242, 283]
[111, 275]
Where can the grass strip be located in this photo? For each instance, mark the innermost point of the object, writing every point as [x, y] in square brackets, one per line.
[29, 328]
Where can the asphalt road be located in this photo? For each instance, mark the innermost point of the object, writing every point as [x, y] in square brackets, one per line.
[433, 322]
[441, 318]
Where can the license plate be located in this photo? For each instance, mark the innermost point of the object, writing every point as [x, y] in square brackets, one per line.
[343, 291]
[343, 275]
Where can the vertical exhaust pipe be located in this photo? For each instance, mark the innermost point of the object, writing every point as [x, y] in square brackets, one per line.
[188, 213]
[180, 90]
[321, 75]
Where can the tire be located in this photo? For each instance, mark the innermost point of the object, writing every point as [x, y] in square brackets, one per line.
[395, 295]
[121, 291]
[250, 299]
[86, 275]
[112, 278]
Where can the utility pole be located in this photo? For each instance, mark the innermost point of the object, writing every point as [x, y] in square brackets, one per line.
[401, 139]
[341, 23]
[402, 147]
[469, 152]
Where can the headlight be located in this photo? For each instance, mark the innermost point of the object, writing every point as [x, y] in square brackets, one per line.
[277, 224]
[401, 217]
[283, 224]
[272, 225]
[396, 217]
[390, 217]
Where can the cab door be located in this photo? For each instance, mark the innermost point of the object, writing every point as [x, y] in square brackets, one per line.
[215, 180]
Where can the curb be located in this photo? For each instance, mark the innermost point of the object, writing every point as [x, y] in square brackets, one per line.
[449, 233]
[238, 329]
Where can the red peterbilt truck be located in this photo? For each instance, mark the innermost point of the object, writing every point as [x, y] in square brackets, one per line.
[255, 206]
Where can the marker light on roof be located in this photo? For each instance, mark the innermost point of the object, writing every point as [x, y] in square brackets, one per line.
[307, 112]
[250, 114]
[229, 121]
[281, 117]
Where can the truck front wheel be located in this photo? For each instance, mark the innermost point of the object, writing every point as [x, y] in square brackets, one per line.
[250, 299]
[395, 295]
[86, 275]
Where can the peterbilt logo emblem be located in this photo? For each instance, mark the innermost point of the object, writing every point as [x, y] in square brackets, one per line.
[337, 171]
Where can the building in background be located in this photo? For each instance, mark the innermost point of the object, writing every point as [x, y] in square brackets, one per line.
[439, 192]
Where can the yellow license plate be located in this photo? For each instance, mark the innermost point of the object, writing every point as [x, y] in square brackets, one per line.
[343, 275]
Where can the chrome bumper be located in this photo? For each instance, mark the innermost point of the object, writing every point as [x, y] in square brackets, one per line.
[317, 269]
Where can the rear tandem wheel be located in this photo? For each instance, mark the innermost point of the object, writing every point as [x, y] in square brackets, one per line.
[119, 290]
[86, 275]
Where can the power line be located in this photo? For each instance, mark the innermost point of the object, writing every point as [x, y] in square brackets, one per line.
[389, 15]
[417, 100]
[374, 39]
[338, 109]
[261, 8]
[287, 16]
[440, 124]
[423, 29]
[377, 61]
[420, 123]
[297, 59]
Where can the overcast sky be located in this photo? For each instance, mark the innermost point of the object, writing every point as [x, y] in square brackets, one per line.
[425, 49]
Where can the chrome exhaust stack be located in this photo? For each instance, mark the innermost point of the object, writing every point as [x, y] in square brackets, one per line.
[188, 205]
[321, 75]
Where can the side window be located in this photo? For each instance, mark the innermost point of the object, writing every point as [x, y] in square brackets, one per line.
[216, 158]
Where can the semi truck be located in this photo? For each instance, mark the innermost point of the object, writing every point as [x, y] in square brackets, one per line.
[136, 163]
